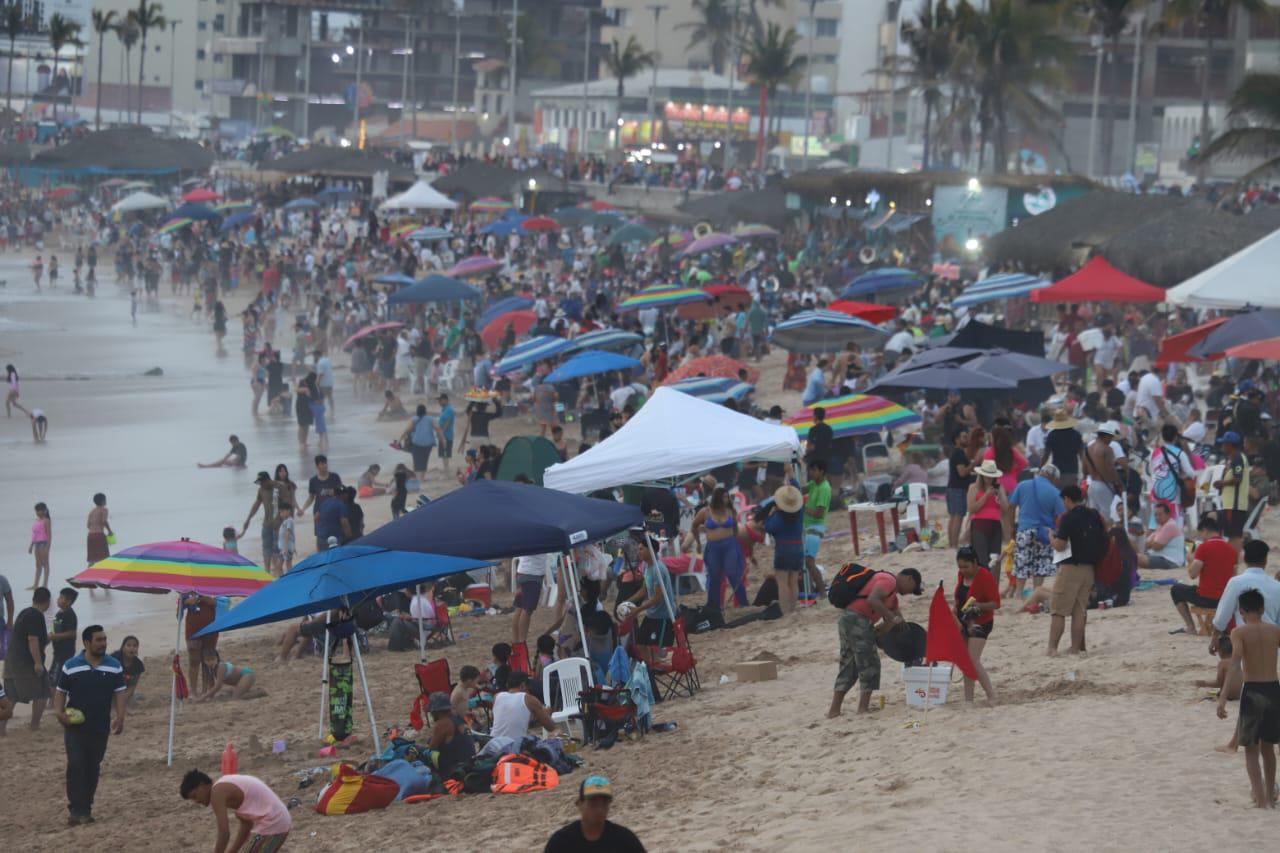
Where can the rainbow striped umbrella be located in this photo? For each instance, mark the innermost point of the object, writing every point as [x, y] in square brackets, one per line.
[755, 230]
[181, 566]
[663, 296]
[679, 238]
[233, 205]
[403, 230]
[490, 204]
[173, 225]
[855, 414]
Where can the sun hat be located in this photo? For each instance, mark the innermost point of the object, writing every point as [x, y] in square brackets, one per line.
[1061, 420]
[988, 469]
[788, 499]
[439, 701]
[595, 785]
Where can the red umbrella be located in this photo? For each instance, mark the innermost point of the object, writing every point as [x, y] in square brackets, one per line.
[1262, 350]
[497, 327]
[869, 311]
[722, 295]
[370, 330]
[201, 195]
[540, 223]
[712, 366]
[598, 206]
[60, 193]
[1173, 349]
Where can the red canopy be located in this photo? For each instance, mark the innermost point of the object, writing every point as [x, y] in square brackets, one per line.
[1098, 281]
[869, 311]
[492, 333]
[1173, 349]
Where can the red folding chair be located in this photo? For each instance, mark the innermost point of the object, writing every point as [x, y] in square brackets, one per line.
[440, 632]
[677, 675]
[433, 677]
[519, 660]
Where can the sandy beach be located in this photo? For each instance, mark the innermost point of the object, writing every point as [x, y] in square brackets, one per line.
[1109, 752]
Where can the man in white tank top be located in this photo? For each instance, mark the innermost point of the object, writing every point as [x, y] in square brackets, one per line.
[514, 708]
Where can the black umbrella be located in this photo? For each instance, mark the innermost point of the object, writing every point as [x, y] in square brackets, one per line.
[1243, 328]
[997, 362]
[944, 376]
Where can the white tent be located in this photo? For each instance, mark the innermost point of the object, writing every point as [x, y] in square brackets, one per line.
[1247, 278]
[420, 196]
[138, 201]
[673, 435]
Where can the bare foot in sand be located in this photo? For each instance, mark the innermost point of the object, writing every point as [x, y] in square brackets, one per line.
[1227, 748]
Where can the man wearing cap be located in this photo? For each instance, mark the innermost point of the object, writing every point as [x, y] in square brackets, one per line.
[593, 830]
[1233, 488]
[266, 500]
[1100, 466]
[877, 602]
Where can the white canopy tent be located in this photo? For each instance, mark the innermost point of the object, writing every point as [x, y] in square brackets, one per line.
[673, 435]
[139, 201]
[420, 196]
[1247, 278]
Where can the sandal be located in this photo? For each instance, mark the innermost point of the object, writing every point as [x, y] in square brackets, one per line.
[1178, 631]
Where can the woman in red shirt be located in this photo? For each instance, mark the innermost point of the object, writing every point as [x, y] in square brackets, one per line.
[977, 597]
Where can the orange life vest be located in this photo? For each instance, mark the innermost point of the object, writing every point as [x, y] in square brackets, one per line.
[519, 774]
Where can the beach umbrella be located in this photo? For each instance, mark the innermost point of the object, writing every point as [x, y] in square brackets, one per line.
[674, 240]
[944, 376]
[572, 217]
[608, 219]
[404, 229]
[201, 195]
[198, 212]
[429, 234]
[996, 362]
[995, 287]
[755, 231]
[597, 205]
[226, 206]
[632, 232]
[663, 296]
[591, 363]
[492, 332]
[718, 366]
[1268, 350]
[136, 185]
[880, 280]
[540, 223]
[302, 204]
[713, 390]
[1240, 329]
[340, 578]
[712, 241]
[173, 225]
[474, 265]
[854, 414]
[59, 193]
[370, 330]
[397, 278]
[434, 288]
[277, 130]
[503, 306]
[113, 182]
[723, 296]
[872, 312]
[825, 331]
[490, 204]
[181, 567]
[139, 201]
[1176, 348]
[235, 220]
[501, 227]
[606, 339]
[524, 354]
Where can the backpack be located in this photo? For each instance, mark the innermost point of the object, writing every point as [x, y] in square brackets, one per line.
[1096, 541]
[368, 615]
[846, 587]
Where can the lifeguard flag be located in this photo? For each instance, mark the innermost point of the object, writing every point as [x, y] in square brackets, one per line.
[944, 641]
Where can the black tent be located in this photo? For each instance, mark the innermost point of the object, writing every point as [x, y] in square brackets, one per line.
[979, 335]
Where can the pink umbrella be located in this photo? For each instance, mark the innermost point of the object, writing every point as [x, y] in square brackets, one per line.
[707, 243]
[474, 265]
[200, 195]
[370, 330]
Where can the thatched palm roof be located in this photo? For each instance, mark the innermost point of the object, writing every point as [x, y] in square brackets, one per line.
[767, 206]
[336, 162]
[127, 150]
[479, 180]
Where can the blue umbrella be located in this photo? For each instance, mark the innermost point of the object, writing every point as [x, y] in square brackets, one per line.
[825, 331]
[878, 280]
[1243, 328]
[336, 194]
[501, 227]
[435, 288]
[502, 306]
[396, 278]
[302, 204]
[135, 228]
[235, 220]
[590, 363]
[1003, 286]
[713, 389]
[524, 354]
[192, 210]
[609, 339]
[429, 233]
[1015, 366]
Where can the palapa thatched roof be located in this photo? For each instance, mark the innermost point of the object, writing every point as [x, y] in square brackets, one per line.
[479, 180]
[15, 154]
[724, 210]
[336, 162]
[126, 150]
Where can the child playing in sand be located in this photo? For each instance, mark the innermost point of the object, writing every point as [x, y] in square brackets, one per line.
[1254, 646]
[239, 678]
[230, 542]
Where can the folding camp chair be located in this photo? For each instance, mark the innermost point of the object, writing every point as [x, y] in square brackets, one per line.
[433, 677]
[678, 674]
[440, 632]
[606, 712]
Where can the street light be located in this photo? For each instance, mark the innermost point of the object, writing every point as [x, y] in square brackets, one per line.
[351, 51]
[975, 186]
[336, 59]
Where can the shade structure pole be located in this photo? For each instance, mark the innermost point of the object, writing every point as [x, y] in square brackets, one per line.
[666, 593]
[571, 581]
[173, 684]
[422, 628]
[324, 676]
[368, 700]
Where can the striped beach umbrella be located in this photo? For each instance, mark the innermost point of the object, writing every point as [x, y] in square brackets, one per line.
[663, 296]
[605, 339]
[1003, 286]
[474, 265]
[712, 389]
[174, 225]
[855, 414]
[674, 240]
[180, 566]
[713, 240]
[404, 229]
[526, 354]
[747, 232]
[490, 204]
[825, 331]
[878, 280]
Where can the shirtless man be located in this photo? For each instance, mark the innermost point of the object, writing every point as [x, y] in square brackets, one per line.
[99, 528]
[265, 499]
[1253, 646]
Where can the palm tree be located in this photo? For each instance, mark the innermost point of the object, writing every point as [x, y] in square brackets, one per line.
[623, 61]
[771, 62]
[1257, 101]
[103, 23]
[927, 65]
[1110, 18]
[1207, 14]
[62, 32]
[14, 23]
[127, 32]
[713, 28]
[147, 17]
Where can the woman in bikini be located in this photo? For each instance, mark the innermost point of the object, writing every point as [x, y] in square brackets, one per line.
[722, 556]
[41, 539]
[239, 678]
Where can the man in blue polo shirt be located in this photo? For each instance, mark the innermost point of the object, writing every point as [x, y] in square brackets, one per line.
[90, 683]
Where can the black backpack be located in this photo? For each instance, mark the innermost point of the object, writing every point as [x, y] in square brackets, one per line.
[367, 614]
[846, 587]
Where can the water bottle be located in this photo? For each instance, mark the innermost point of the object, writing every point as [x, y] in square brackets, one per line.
[230, 761]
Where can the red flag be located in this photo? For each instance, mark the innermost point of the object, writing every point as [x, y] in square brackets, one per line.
[180, 689]
[945, 642]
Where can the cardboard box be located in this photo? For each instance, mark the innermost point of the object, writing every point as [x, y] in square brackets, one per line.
[756, 670]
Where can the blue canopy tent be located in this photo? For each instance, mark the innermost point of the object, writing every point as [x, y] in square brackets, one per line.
[502, 306]
[198, 212]
[590, 363]
[434, 288]
[341, 578]
[397, 278]
[524, 354]
[1003, 286]
[880, 280]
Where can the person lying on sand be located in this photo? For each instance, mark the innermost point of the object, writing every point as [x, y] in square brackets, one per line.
[1254, 645]
[235, 458]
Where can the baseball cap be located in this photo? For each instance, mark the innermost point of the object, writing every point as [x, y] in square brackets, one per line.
[1109, 428]
[1230, 437]
[595, 786]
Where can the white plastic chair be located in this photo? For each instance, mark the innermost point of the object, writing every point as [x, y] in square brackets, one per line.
[448, 374]
[574, 674]
[917, 510]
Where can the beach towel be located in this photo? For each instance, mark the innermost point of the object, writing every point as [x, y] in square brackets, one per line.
[619, 667]
[341, 692]
[641, 692]
[351, 792]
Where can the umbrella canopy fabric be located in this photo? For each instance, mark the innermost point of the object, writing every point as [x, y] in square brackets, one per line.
[855, 414]
[606, 339]
[174, 225]
[501, 227]
[944, 376]
[591, 363]
[179, 566]
[729, 294]
[1099, 281]
[235, 220]
[340, 577]
[996, 362]
[825, 331]
[200, 195]
[435, 288]
[880, 280]
[492, 332]
[632, 232]
[529, 352]
[420, 196]
[490, 204]
[225, 206]
[1268, 350]
[503, 306]
[139, 201]
[539, 223]
[1247, 278]
[474, 265]
[872, 312]
[491, 520]
[573, 217]
[428, 234]
[716, 366]
[711, 389]
[714, 240]
[397, 278]
[663, 296]
[1176, 349]
[370, 330]
[1241, 329]
[136, 185]
[302, 204]
[995, 287]
[198, 212]
[746, 232]
[673, 240]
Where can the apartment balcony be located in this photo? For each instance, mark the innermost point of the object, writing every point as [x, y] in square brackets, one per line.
[253, 45]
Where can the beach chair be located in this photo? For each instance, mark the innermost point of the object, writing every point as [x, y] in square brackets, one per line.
[439, 633]
[1255, 515]
[677, 674]
[573, 676]
[433, 677]
[519, 660]
[606, 712]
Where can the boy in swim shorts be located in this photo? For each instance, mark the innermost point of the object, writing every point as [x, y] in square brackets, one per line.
[1253, 646]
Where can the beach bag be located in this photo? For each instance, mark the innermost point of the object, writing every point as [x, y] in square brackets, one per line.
[413, 778]
[846, 587]
[352, 792]
[522, 774]
[550, 751]
[402, 637]
[476, 775]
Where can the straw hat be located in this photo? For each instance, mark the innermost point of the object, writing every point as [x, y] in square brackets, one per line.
[988, 469]
[1061, 420]
[787, 498]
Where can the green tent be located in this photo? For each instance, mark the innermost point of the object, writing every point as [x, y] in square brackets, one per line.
[529, 455]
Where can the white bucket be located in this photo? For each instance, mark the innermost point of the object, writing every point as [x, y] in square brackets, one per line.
[919, 685]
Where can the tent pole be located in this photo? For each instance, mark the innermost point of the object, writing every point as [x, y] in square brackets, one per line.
[422, 630]
[324, 676]
[666, 593]
[570, 568]
[173, 683]
[368, 701]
